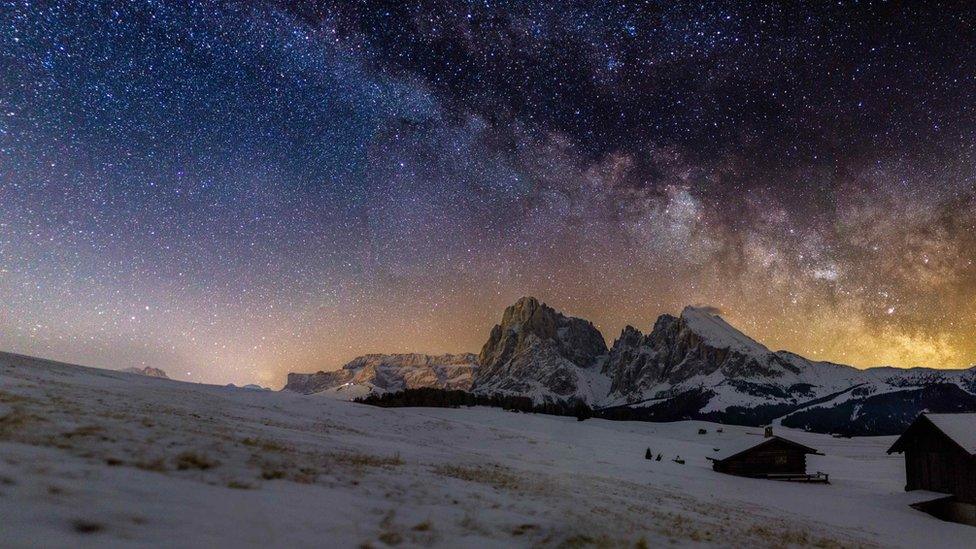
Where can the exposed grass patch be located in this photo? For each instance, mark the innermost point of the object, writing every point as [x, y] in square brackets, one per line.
[471, 524]
[11, 398]
[85, 431]
[391, 538]
[492, 475]
[237, 485]
[424, 526]
[157, 465]
[784, 537]
[523, 529]
[305, 475]
[288, 471]
[273, 474]
[191, 460]
[83, 526]
[264, 444]
[584, 540]
[367, 460]
[15, 420]
[700, 535]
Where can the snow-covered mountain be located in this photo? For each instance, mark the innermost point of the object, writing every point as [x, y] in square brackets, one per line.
[148, 371]
[700, 351]
[692, 366]
[378, 373]
[699, 366]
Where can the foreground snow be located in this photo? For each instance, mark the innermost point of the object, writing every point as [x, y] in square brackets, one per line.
[97, 457]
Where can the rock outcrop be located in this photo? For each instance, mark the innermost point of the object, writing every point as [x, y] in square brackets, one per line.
[538, 352]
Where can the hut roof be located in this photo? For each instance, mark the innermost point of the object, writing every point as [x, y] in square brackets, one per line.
[960, 428]
[742, 446]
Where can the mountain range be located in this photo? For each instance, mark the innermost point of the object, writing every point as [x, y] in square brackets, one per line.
[147, 371]
[691, 366]
[377, 373]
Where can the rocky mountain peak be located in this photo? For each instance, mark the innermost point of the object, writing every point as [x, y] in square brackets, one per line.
[530, 316]
[536, 349]
[525, 303]
[528, 319]
[630, 334]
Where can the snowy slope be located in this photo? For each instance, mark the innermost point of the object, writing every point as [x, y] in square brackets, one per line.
[94, 458]
[714, 331]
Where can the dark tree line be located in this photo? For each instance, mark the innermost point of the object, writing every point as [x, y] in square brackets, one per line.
[683, 406]
[442, 398]
[884, 414]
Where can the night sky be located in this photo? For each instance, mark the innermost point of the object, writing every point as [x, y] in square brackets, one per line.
[234, 190]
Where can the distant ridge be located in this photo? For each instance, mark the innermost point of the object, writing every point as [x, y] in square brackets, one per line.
[381, 373]
[148, 371]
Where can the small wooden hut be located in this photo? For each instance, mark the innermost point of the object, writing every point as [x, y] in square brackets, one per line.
[940, 454]
[772, 457]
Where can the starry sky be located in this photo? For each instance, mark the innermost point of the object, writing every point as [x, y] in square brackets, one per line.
[232, 190]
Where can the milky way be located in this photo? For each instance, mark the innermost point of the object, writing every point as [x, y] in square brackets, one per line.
[233, 190]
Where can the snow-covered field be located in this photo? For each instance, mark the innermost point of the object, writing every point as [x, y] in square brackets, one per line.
[102, 458]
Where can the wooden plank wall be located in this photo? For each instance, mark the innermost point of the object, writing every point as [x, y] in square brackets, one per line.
[934, 463]
[774, 458]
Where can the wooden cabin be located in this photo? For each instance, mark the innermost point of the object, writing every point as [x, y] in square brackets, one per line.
[940, 454]
[773, 457]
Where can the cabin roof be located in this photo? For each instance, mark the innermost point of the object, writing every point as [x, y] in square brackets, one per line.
[742, 446]
[960, 428]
